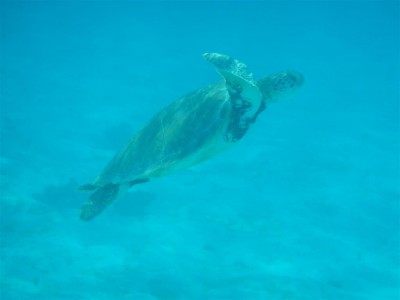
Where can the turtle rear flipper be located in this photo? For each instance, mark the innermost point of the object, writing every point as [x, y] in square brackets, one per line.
[88, 187]
[100, 199]
[103, 196]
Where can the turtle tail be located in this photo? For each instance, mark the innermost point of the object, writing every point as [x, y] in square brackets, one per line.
[100, 199]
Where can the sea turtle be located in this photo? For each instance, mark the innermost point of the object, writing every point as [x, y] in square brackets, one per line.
[190, 130]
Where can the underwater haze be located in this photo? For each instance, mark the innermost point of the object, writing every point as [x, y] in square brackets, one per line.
[305, 206]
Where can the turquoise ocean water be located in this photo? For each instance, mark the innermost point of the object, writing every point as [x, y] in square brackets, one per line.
[306, 206]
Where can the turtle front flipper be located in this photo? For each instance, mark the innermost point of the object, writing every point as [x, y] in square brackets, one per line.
[244, 95]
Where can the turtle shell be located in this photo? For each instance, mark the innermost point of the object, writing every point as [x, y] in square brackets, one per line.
[186, 132]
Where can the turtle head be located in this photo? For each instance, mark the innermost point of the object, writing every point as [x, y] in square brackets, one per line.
[276, 86]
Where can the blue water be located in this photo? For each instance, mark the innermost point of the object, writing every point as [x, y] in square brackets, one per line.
[306, 206]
